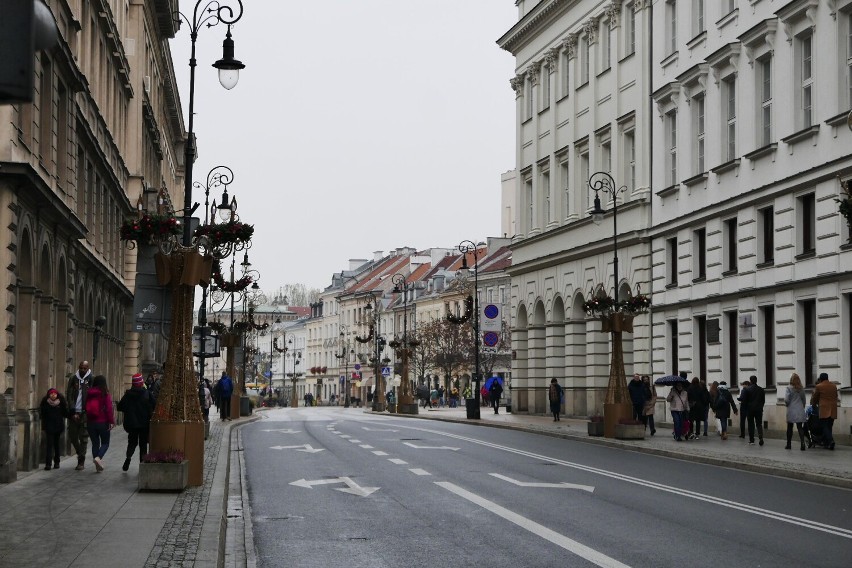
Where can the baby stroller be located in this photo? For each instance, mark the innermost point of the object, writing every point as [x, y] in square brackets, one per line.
[813, 428]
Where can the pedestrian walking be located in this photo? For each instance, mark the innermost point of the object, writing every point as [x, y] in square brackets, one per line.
[554, 394]
[494, 394]
[650, 403]
[205, 399]
[679, 406]
[723, 404]
[137, 405]
[75, 395]
[752, 401]
[100, 419]
[705, 396]
[825, 397]
[743, 386]
[637, 396]
[695, 395]
[794, 399]
[53, 411]
[225, 388]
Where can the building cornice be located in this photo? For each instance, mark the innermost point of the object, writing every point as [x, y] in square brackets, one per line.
[526, 28]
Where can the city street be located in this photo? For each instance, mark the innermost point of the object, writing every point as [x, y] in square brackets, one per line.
[341, 487]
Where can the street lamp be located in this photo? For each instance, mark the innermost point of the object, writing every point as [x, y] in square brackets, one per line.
[616, 401]
[345, 352]
[379, 343]
[406, 400]
[212, 14]
[466, 247]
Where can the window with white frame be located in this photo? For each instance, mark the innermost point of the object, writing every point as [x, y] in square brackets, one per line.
[584, 59]
[583, 173]
[766, 234]
[804, 52]
[528, 98]
[564, 72]
[698, 126]
[629, 29]
[729, 108]
[606, 154]
[528, 194]
[729, 6]
[671, 264]
[606, 45]
[764, 85]
[544, 179]
[545, 87]
[671, 26]
[565, 184]
[630, 159]
[698, 16]
[699, 254]
[847, 20]
[730, 242]
[671, 147]
[806, 224]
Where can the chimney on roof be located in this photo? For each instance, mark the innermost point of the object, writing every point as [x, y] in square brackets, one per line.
[439, 282]
[378, 255]
[355, 263]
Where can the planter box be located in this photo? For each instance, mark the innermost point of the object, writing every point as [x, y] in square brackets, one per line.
[629, 431]
[163, 476]
[596, 428]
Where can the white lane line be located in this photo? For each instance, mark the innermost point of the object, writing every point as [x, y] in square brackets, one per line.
[581, 550]
[397, 461]
[367, 446]
[344, 436]
[380, 453]
[355, 441]
[566, 485]
[736, 505]
[418, 471]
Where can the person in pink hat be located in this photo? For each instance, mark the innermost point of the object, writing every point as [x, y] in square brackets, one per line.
[137, 404]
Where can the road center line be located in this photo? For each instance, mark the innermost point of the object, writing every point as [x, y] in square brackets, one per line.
[397, 461]
[418, 471]
[380, 453]
[581, 550]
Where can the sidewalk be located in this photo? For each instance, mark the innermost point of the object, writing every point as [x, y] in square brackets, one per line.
[74, 518]
[815, 464]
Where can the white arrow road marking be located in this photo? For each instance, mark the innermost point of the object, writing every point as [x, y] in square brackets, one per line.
[410, 445]
[351, 486]
[581, 550]
[588, 488]
[283, 431]
[305, 448]
[378, 429]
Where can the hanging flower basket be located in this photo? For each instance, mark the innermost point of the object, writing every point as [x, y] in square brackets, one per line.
[149, 228]
[227, 286]
[225, 233]
[603, 306]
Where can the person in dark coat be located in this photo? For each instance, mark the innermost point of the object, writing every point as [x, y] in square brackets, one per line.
[743, 386]
[554, 395]
[637, 397]
[137, 404]
[825, 397]
[75, 394]
[695, 394]
[723, 403]
[225, 388]
[495, 391]
[53, 410]
[753, 399]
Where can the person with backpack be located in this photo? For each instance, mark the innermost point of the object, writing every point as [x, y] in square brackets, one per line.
[495, 391]
[722, 405]
[554, 394]
[225, 388]
[137, 405]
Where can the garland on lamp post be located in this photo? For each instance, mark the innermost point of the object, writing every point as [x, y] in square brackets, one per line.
[148, 229]
[219, 234]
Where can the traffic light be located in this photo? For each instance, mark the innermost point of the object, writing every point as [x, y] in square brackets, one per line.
[26, 26]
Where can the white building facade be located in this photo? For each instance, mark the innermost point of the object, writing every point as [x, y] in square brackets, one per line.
[582, 83]
[752, 264]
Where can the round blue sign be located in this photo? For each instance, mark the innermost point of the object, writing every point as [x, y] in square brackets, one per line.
[491, 311]
[491, 338]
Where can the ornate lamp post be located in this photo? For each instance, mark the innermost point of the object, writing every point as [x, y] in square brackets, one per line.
[466, 247]
[617, 401]
[405, 404]
[379, 342]
[297, 358]
[345, 352]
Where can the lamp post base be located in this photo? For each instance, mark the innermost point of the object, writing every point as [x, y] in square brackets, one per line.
[471, 405]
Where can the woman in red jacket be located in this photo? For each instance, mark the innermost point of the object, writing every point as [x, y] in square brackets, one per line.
[100, 419]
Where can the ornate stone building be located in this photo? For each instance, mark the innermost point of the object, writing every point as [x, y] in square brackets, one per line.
[103, 133]
[581, 85]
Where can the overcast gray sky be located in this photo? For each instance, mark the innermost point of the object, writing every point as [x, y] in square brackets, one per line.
[356, 126]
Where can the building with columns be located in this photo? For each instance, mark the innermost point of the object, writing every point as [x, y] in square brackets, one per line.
[103, 130]
[581, 85]
[751, 259]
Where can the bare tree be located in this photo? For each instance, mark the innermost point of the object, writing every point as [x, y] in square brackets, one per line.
[453, 347]
[298, 294]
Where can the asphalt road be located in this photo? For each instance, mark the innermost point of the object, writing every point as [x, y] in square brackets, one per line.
[340, 488]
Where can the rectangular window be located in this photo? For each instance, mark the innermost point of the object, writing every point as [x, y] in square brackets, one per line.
[699, 241]
[698, 109]
[606, 157]
[807, 79]
[584, 176]
[565, 184]
[545, 192]
[545, 88]
[671, 26]
[730, 6]
[673, 345]
[528, 99]
[807, 224]
[701, 354]
[848, 60]
[671, 254]
[606, 46]
[566, 67]
[698, 16]
[630, 159]
[528, 186]
[62, 148]
[729, 91]
[584, 60]
[630, 29]
[765, 112]
[767, 323]
[45, 113]
[671, 146]
[766, 218]
[732, 348]
[807, 311]
[730, 238]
